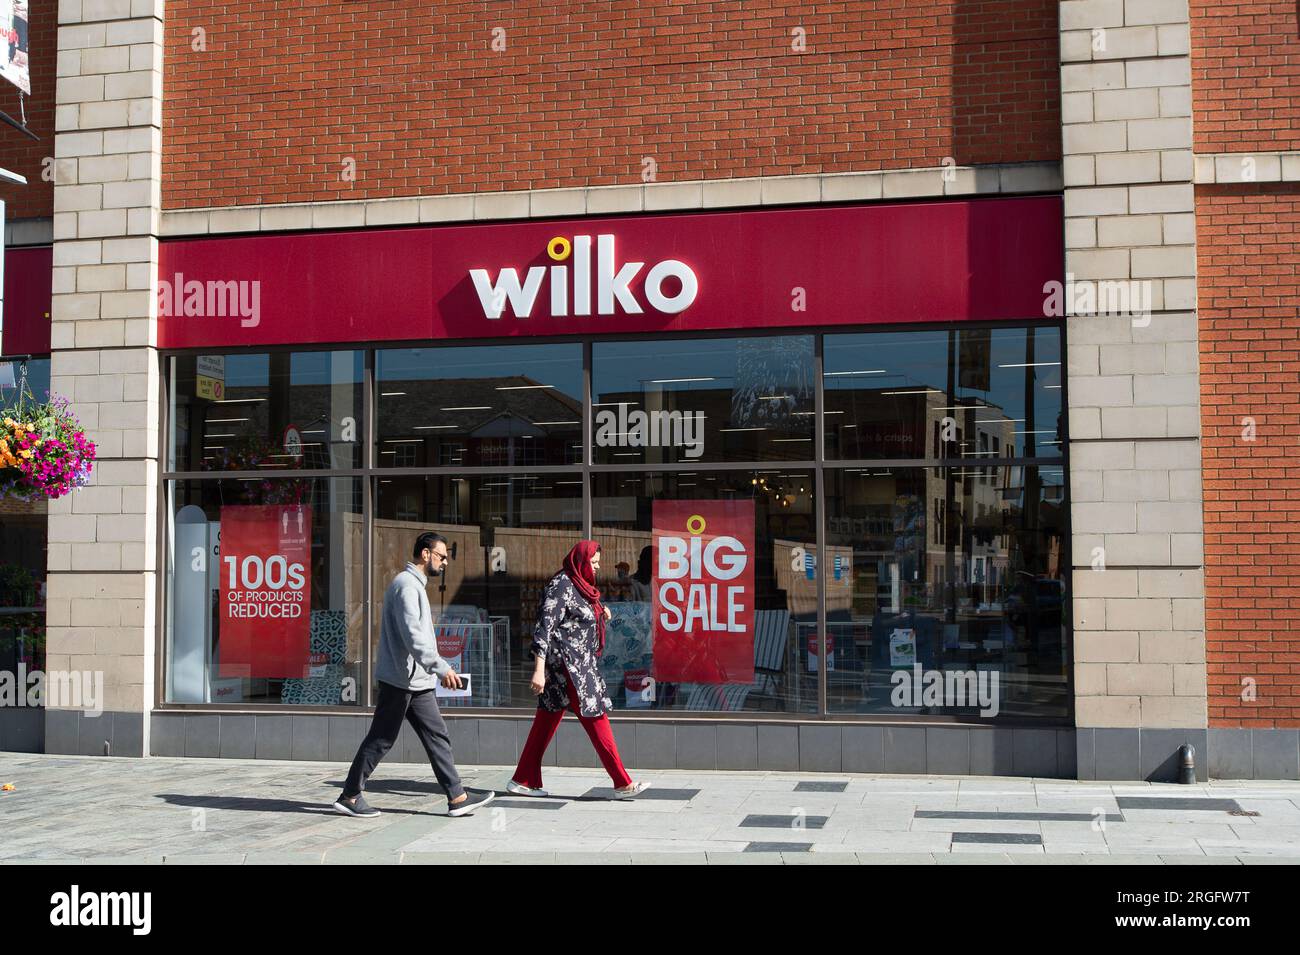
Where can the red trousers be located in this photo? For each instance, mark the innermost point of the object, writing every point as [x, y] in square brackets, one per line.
[545, 723]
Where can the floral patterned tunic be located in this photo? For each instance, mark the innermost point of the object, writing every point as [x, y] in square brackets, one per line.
[565, 636]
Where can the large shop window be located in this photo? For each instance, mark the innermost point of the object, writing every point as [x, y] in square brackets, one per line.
[710, 577]
[267, 411]
[946, 593]
[970, 392]
[939, 489]
[703, 400]
[490, 406]
[22, 543]
[265, 591]
[507, 534]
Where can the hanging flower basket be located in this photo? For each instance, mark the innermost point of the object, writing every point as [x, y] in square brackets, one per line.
[44, 453]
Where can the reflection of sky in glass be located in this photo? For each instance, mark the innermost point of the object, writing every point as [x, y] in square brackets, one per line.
[620, 367]
[559, 365]
[305, 368]
[38, 380]
[920, 360]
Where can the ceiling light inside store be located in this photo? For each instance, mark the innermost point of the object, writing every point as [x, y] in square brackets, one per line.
[226, 420]
[1032, 364]
[675, 381]
[865, 371]
[521, 387]
[470, 408]
[391, 394]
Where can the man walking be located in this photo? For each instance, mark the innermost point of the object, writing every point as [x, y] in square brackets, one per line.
[407, 670]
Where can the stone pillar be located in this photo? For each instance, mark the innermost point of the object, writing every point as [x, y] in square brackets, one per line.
[107, 198]
[1134, 397]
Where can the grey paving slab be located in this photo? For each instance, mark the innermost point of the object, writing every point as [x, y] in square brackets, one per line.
[1205, 804]
[1009, 838]
[778, 847]
[813, 786]
[1018, 815]
[774, 821]
[653, 793]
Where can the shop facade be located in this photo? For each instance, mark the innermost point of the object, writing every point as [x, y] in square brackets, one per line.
[748, 375]
[951, 328]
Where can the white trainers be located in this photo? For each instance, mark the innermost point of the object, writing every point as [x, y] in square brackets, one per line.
[519, 789]
[634, 790]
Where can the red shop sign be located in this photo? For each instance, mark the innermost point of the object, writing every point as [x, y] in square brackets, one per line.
[957, 260]
[265, 609]
[703, 591]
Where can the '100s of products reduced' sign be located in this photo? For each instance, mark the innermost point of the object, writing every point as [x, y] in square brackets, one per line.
[265, 573]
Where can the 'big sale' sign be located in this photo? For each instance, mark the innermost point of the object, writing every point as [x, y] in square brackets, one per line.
[265, 591]
[704, 591]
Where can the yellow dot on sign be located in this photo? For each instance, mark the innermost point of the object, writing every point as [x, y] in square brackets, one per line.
[559, 248]
[695, 524]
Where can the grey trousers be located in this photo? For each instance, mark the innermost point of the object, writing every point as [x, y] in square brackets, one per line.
[420, 709]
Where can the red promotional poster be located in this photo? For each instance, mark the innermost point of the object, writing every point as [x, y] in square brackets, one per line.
[703, 591]
[265, 591]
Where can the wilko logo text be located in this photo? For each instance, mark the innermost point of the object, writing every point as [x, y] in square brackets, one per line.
[703, 591]
[670, 286]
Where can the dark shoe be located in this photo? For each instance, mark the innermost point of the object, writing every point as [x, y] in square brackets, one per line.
[471, 802]
[358, 807]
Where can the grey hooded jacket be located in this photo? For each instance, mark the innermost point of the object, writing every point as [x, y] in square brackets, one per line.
[408, 651]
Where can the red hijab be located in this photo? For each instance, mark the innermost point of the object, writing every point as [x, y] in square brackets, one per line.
[578, 567]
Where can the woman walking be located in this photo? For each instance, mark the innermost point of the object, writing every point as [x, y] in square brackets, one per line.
[567, 642]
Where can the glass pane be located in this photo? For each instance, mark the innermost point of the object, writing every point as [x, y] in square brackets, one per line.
[265, 590]
[507, 536]
[948, 592]
[714, 399]
[276, 411]
[709, 577]
[488, 406]
[22, 543]
[970, 393]
[38, 380]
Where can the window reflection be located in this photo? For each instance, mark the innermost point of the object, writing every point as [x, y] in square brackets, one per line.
[507, 535]
[700, 400]
[649, 667]
[954, 571]
[964, 393]
[273, 411]
[513, 406]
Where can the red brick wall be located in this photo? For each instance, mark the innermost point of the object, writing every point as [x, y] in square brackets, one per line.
[1248, 262]
[1245, 75]
[413, 91]
[17, 152]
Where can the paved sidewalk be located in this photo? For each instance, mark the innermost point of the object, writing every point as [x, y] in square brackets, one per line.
[70, 809]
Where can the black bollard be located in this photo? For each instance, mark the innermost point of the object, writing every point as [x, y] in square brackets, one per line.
[1187, 772]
